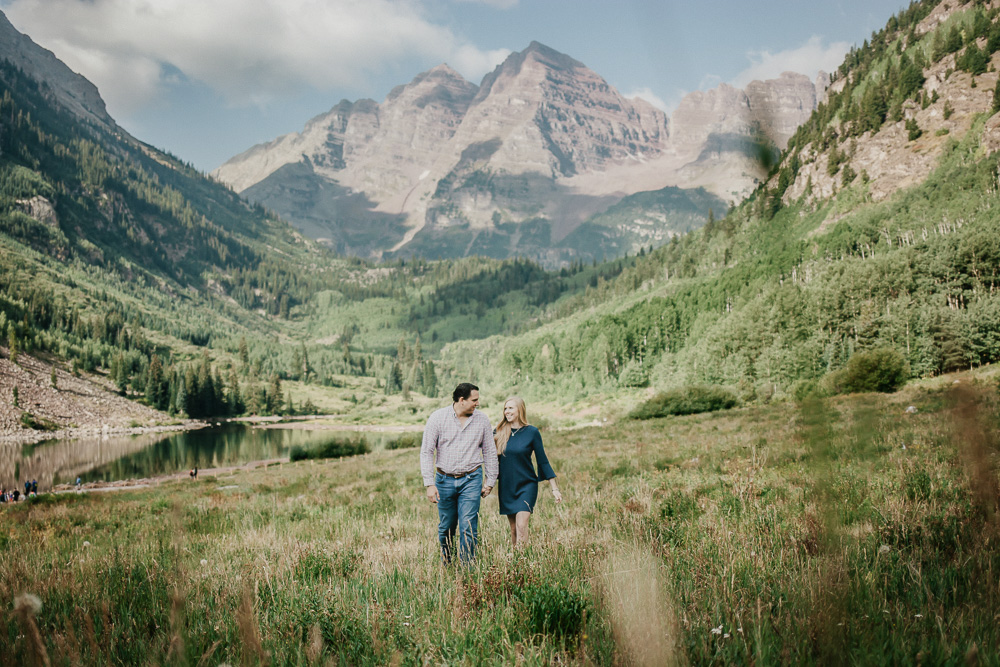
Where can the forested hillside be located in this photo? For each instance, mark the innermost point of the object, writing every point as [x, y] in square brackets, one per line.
[785, 289]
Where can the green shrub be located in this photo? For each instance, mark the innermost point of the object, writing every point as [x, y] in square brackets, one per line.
[634, 375]
[883, 369]
[553, 609]
[405, 441]
[686, 401]
[333, 449]
[803, 389]
[29, 420]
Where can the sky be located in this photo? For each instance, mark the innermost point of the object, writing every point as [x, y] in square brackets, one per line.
[208, 79]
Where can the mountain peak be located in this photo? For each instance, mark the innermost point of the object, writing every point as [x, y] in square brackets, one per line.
[440, 84]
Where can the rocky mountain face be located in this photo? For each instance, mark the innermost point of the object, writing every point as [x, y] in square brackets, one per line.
[71, 90]
[908, 141]
[514, 166]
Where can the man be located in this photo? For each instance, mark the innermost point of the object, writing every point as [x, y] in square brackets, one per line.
[457, 447]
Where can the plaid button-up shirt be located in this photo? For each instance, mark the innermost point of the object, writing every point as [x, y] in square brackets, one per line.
[455, 449]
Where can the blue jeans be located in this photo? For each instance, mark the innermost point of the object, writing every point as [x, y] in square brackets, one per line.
[458, 511]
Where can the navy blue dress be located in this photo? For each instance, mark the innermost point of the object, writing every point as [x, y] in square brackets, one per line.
[517, 486]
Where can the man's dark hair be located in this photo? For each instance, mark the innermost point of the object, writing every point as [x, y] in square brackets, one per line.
[463, 390]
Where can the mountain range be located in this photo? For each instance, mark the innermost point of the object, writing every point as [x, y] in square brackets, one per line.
[520, 164]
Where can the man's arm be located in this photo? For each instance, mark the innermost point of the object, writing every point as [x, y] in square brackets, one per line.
[490, 463]
[428, 450]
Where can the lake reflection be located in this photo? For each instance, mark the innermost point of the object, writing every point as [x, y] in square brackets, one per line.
[130, 457]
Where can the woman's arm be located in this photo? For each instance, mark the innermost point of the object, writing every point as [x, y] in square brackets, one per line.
[555, 490]
[544, 467]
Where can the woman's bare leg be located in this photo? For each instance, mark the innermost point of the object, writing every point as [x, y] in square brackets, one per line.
[520, 525]
[513, 529]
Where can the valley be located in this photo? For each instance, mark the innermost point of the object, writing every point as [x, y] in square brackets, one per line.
[817, 261]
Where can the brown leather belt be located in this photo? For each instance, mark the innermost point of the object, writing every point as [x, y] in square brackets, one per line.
[458, 476]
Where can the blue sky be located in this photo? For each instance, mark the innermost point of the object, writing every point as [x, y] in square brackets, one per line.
[207, 79]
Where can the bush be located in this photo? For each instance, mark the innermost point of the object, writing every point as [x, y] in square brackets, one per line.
[633, 375]
[405, 441]
[803, 389]
[883, 369]
[686, 401]
[553, 609]
[29, 420]
[334, 449]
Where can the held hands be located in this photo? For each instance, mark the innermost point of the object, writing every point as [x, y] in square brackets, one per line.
[432, 493]
[486, 491]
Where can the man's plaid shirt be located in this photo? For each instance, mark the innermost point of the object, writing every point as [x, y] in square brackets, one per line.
[456, 450]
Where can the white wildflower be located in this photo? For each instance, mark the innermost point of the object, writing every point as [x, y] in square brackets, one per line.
[86, 543]
[717, 631]
[884, 549]
[204, 562]
[28, 602]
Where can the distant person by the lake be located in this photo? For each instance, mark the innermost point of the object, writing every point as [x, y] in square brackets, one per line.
[34, 486]
[194, 473]
[456, 449]
[16, 495]
[517, 485]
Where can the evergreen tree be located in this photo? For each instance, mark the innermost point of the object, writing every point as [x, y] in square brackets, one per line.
[273, 398]
[235, 399]
[13, 345]
[154, 383]
[430, 381]
[181, 397]
[244, 353]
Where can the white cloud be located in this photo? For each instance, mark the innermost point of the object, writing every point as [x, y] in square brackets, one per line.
[473, 64]
[247, 50]
[807, 59]
[651, 97]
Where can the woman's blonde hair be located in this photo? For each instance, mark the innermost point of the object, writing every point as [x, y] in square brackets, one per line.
[502, 434]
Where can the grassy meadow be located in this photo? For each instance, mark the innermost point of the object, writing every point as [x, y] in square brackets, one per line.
[848, 530]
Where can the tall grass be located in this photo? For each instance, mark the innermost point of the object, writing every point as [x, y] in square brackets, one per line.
[845, 530]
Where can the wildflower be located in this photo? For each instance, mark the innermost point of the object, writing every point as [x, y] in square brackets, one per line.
[739, 630]
[918, 616]
[28, 602]
[204, 562]
[725, 636]
[406, 625]
[884, 549]
[717, 631]
[86, 543]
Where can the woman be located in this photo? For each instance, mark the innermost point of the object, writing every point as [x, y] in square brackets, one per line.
[517, 486]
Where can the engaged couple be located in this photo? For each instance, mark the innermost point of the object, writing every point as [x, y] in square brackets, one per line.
[460, 448]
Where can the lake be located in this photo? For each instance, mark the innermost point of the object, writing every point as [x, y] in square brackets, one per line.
[114, 458]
